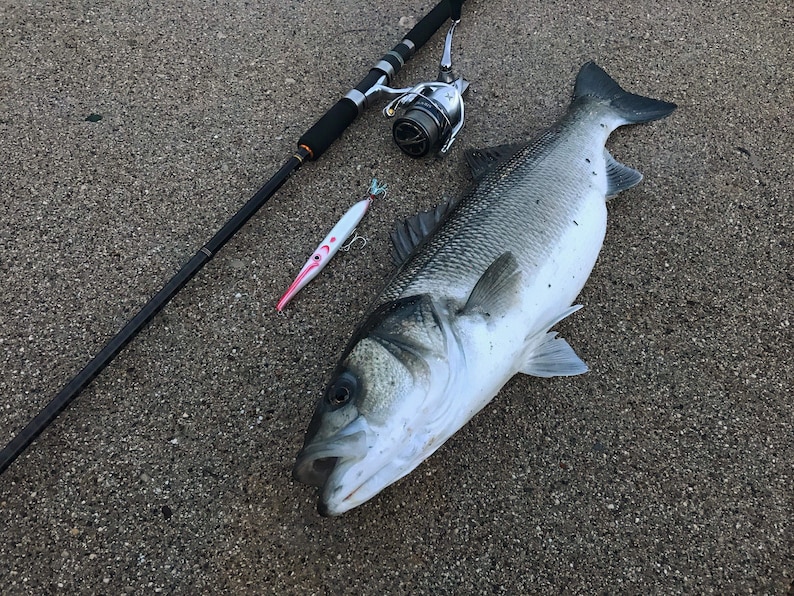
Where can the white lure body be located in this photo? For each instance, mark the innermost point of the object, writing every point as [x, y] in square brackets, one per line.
[331, 244]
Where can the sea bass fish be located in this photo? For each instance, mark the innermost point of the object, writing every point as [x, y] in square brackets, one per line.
[479, 287]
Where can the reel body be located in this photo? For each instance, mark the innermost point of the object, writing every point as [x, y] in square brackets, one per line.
[432, 112]
[432, 117]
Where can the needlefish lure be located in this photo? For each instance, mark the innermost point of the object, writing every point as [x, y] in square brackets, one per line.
[332, 243]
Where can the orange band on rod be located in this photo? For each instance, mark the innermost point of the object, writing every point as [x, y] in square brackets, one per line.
[308, 150]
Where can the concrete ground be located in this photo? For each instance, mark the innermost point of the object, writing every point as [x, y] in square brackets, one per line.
[666, 469]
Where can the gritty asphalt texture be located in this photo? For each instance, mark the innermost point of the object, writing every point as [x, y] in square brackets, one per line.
[669, 468]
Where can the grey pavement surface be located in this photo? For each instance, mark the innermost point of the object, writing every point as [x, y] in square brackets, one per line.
[666, 469]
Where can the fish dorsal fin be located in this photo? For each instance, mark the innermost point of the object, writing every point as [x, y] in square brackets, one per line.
[496, 289]
[409, 234]
[553, 356]
[481, 161]
[619, 176]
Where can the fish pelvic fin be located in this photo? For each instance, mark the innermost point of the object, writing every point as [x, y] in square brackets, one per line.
[593, 81]
[620, 177]
[496, 289]
[553, 356]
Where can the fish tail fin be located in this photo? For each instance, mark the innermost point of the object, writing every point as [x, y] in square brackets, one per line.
[592, 81]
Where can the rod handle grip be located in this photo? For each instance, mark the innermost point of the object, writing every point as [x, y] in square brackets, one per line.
[329, 128]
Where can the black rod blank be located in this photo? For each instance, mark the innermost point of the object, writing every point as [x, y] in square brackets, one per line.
[105, 356]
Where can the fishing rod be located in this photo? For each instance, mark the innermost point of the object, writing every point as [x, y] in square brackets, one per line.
[432, 117]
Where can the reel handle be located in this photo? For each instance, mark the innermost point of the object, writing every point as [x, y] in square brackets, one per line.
[455, 7]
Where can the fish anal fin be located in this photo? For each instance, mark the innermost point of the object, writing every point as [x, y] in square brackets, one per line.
[496, 289]
[554, 357]
[620, 177]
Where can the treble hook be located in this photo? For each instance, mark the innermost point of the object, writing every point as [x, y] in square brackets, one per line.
[349, 244]
[376, 189]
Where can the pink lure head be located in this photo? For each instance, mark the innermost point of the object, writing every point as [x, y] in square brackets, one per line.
[309, 271]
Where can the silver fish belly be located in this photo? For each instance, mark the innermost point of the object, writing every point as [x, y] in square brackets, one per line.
[478, 289]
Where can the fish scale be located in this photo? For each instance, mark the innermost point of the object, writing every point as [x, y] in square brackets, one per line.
[509, 210]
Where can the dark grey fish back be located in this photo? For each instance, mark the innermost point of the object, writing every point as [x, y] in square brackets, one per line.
[495, 216]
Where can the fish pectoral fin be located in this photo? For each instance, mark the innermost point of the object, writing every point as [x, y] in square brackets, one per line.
[408, 235]
[620, 177]
[496, 289]
[481, 161]
[554, 357]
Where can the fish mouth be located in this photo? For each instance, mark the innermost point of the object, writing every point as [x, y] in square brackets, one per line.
[318, 460]
[313, 471]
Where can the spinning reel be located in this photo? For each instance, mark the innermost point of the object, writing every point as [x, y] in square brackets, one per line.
[432, 111]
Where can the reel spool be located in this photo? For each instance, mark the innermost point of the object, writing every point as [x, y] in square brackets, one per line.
[432, 118]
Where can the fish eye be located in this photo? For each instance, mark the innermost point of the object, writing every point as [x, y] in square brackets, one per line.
[341, 390]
